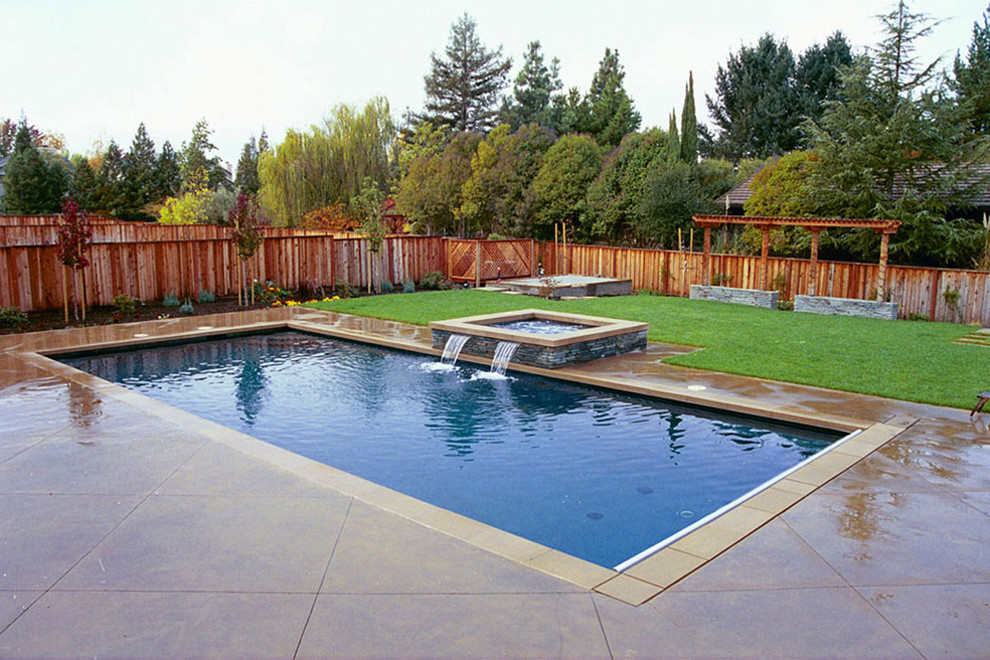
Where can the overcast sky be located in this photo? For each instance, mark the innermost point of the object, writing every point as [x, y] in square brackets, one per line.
[93, 70]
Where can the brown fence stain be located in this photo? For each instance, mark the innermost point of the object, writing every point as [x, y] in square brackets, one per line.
[148, 261]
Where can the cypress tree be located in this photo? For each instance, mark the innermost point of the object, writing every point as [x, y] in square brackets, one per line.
[689, 124]
[673, 141]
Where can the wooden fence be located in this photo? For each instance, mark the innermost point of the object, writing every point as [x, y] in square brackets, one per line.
[148, 261]
[919, 292]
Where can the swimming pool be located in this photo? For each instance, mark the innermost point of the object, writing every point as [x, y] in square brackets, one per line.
[595, 474]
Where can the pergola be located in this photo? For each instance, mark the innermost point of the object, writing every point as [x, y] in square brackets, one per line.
[885, 228]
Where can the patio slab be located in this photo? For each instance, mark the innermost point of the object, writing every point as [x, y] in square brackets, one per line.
[167, 535]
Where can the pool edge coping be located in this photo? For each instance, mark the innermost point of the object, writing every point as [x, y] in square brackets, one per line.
[636, 584]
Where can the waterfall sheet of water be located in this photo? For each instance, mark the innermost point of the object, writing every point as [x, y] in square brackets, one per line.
[453, 348]
[503, 354]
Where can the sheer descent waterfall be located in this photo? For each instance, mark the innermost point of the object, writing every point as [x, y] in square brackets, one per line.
[503, 354]
[453, 348]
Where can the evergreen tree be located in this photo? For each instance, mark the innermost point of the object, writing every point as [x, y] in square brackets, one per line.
[611, 114]
[818, 78]
[572, 112]
[971, 81]
[197, 155]
[755, 110]
[247, 169]
[895, 147]
[112, 196]
[535, 91]
[85, 188]
[673, 139]
[463, 87]
[8, 131]
[263, 145]
[689, 124]
[141, 187]
[34, 182]
[168, 172]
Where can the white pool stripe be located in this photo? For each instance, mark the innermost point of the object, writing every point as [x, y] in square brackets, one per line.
[632, 561]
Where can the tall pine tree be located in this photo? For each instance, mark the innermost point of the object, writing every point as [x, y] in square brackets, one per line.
[168, 172]
[141, 187]
[689, 124]
[463, 87]
[611, 114]
[971, 81]
[535, 95]
[247, 169]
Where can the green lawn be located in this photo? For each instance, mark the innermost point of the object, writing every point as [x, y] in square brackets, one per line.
[910, 360]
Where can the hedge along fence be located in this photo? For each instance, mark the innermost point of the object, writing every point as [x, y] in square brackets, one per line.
[31, 275]
[919, 292]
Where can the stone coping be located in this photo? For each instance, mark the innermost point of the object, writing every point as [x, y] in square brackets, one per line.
[481, 326]
[634, 585]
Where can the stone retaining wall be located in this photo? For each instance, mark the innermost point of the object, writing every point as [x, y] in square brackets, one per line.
[846, 307]
[752, 297]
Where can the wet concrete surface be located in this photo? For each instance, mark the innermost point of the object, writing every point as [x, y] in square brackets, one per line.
[126, 530]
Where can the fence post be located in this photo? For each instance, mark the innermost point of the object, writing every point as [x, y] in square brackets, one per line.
[477, 264]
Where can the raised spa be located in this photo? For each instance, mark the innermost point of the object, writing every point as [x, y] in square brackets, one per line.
[545, 339]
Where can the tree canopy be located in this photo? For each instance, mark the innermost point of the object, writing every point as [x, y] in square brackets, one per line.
[464, 86]
[896, 147]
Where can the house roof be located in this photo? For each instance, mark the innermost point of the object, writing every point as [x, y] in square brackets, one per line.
[979, 193]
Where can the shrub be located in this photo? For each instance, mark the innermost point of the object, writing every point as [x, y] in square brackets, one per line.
[408, 286]
[12, 316]
[343, 289]
[205, 297]
[187, 308]
[170, 300]
[435, 281]
[387, 286]
[126, 305]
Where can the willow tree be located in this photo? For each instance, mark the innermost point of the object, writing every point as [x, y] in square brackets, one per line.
[327, 164]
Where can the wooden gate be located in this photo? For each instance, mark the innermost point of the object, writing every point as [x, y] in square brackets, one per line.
[486, 261]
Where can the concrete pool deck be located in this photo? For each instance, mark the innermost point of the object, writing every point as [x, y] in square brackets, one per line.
[129, 529]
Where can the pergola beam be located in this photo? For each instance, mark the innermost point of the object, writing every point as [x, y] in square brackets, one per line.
[886, 228]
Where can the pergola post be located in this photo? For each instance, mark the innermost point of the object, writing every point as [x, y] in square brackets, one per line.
[882, 273]
[706, 259]
[813, 273]
[764, 255]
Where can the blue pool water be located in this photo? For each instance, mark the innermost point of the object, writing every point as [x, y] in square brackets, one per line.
[595, 474]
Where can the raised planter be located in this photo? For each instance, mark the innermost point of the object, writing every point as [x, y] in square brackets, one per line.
[846, 307]
[751, 297]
